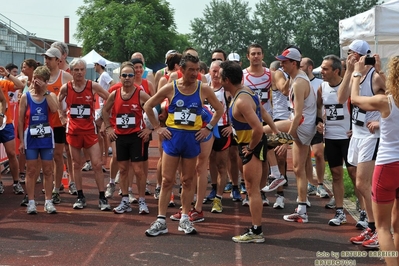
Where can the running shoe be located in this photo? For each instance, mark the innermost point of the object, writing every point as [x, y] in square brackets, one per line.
[365, 235]
[245, 202]
[38, 180]
[277, 182]
[80, 203]
[187, 227]
[235, 194]
[109, 191]
[104, 169]
[104, 205]
[87, 166]
[362, 223]
[339, 218]
[157, 192]
[265, 200]
[279, 204]
[31, 209]
[172, 200]
[249, 237]
[72, 189]
[372, 243]
[62, 188]
[49, 208]
[143, 208]
[312, 190]
[196, 216]
[25, 201]
[56, 198]
[321, 192]
[157, 228]
[217, 205]
[1, 187]
[243, 190]
[147, 190]
[228, 187]
[123, 207]
[176, 216]
[22, 177]
[296, 217]
[17, 188]
[210, 197]
[331, 203]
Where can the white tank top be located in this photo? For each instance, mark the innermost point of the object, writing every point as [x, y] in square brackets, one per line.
[388, 151]
[280, 103]
[220, 94]
[337, 115]
[261, 85]
[315, 82]
[361, 117]
[309, 107]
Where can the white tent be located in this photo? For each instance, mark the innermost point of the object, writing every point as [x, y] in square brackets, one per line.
[379, 26]
[93, 57]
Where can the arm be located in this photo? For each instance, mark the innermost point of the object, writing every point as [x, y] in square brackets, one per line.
[344, 90]
[214, 102]
[162, 82]
[21, 121]
[105, 115]
[377, 102]
[151, 88]
[281, 83]
[61, 98]
[269, 120]
[150, 78]
[18, 85]
[174, 76]
[100, 91]
[52, 102]
[66, 77]
[158, 77]
[319, 124]
[299, 99]
[203, 79]
[3, 102]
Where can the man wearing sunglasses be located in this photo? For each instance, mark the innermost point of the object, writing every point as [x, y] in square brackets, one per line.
[364, 143]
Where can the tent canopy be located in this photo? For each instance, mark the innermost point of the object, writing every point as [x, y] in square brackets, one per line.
[378, 26]
[93, 57]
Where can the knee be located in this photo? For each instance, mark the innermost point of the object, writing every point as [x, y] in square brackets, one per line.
[187, 183]
[167, 183]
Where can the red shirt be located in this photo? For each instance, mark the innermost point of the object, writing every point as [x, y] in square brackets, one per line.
[80, 110]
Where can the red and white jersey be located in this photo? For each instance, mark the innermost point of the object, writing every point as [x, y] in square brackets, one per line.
[261, 85]
[221, 95]
[127, 113]
[80, 110]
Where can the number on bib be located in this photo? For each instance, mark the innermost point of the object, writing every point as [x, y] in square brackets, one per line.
[334, 111]
[40, 130]
[125, 121]
[185, 116]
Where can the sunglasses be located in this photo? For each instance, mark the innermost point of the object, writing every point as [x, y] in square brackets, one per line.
[130, 75]
[217, 59]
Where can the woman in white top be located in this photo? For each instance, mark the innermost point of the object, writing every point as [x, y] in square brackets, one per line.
[385, 184]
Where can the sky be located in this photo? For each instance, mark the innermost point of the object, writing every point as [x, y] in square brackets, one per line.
[45, 18]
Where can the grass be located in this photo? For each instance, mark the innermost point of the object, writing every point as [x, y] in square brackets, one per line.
[348, 185]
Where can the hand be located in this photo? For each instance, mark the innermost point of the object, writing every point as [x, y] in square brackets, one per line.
[41, 84]
[99, 122]
[227, 131]
[350, 63]
[281, 150]
[21, 148]
[373, 126]
[320, 127]
[63, 120]
[377, 64]
[3, 71]
[349, 133]
[245, 151]
[202, 134]
[111, 133]
[164, 132]
[145, 134]
[360, 66]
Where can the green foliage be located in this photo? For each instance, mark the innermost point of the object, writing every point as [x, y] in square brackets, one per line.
[225, 25]
[118, 28]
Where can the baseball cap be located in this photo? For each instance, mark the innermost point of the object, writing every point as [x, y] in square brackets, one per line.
[290, 53]
[136, 61]
[360, 47]
[53, 52]
[170, 52]
[101, 62]
[234, 57]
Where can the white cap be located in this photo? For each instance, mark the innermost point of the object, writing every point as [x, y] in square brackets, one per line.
[101, 62]
[360, 47]
[234, 57]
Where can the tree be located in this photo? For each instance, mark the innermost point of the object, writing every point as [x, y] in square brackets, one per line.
[118, 28]
[226, 25]
[311, 25]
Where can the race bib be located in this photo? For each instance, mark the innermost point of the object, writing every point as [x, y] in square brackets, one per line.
[263, 94]
[125, 121]
[358, 116]
[334, 111]
[40, 130]
[185, 116]
[80, 111]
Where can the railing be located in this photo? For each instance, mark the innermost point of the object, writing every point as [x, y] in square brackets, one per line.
[22, 33]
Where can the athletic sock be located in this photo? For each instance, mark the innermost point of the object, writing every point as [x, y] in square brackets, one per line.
[80, 194]
[274, 171]
[301, 208]
[213, 186]
[101, 195]
[372, 226]
[256, 229]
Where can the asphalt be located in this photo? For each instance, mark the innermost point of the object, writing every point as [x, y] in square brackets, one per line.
[93, 237]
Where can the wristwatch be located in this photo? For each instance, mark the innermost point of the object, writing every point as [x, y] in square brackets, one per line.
[357, 74]
[209, 126]
[1, 115]
[46, 93]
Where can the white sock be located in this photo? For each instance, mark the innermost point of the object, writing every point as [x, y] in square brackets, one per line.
[31, 202]
[301, 209]
[275, 172]
[112, 180]
[47, 201]
[184, 217]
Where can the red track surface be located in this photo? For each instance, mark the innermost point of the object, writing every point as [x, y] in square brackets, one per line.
[92, 237]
